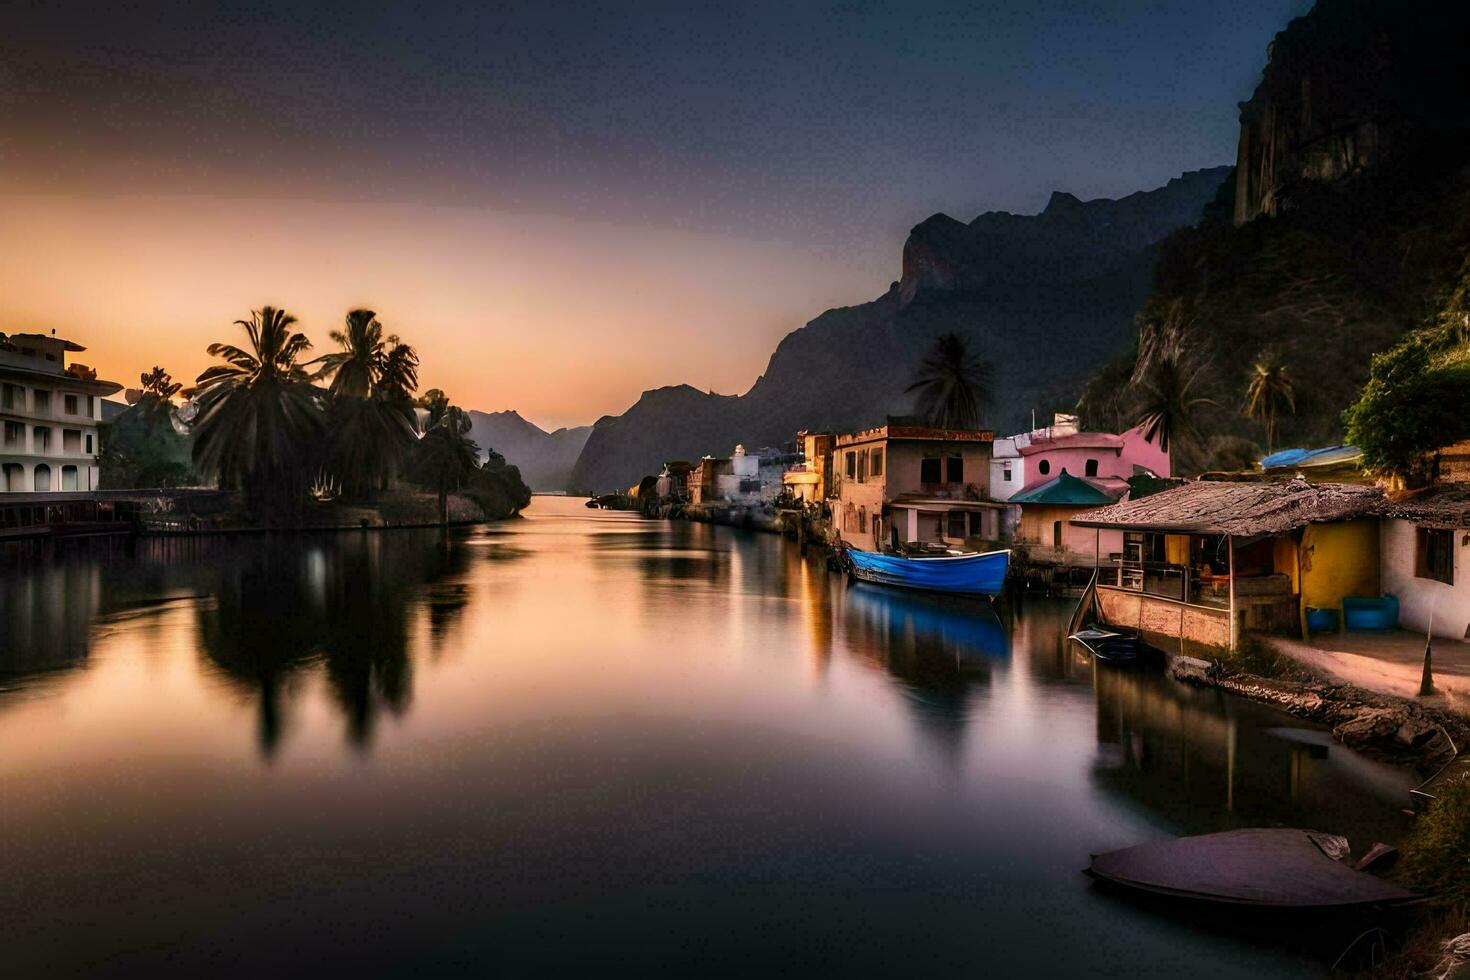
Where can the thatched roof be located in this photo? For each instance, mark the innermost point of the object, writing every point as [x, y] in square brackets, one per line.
[1445, 506]
[1247, 508]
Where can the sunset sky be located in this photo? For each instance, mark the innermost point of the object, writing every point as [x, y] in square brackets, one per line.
[562, 205]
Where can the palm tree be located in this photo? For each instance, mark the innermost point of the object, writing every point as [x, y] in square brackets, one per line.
[446, 453]
[953, 384]
[1168, 377]
[372, 421]
[1271, 388]
[254, 416]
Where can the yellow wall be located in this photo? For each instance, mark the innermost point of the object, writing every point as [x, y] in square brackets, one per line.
[1339, 560]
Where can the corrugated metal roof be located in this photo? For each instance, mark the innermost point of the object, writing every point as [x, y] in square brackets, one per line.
[1326, 456]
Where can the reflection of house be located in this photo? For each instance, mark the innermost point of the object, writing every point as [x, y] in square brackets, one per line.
[1047, 509]
[1204, 560]
[49, 413]
[913, 482]
[810, 479]
[1030, 459]
[1425, 541]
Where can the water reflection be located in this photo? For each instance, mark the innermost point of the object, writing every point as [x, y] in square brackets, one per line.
[940, 648]
[625, 736]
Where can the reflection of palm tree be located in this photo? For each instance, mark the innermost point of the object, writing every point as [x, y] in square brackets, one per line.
[953, 384]
[253, 415]
[280, 607]
[1271, 389]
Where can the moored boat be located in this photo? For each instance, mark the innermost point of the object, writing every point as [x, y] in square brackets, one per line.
[975, 574]
[1116, 645]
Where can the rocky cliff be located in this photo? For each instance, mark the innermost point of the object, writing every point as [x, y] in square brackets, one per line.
[545, 459]
[1352, 220]
[1046, 297]
[1350, 87]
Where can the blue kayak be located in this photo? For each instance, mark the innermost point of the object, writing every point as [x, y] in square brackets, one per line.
[982, 575]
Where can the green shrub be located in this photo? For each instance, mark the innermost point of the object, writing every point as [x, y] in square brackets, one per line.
[1435, 856]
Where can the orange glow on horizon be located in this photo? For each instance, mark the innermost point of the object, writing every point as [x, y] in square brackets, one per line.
[561, 320]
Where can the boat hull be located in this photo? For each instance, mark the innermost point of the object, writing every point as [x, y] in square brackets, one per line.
[976, 575]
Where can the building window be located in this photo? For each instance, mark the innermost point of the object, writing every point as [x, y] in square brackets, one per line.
[68, 478]
[875, 463]
[91, 406]
[89, 444]
[42, 480]
[1043, 467]
[71, 441]
[1005, 474]
[956, 524]
[69, 404]
[931, 469]
[977, 527]
[852, 466]
[13, 397]
[1056, 534]
[862, 466]
[41, 439]
[862, 520]
[42, 400]
[1436, 555]
[1091, 468]
[954, 468]
[15, 434]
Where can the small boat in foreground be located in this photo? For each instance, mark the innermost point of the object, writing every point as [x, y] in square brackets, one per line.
[974, 574]
[1277, 868]
[1116, 645]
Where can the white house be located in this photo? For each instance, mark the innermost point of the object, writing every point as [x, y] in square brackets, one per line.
[49, 415]
[1424, 546]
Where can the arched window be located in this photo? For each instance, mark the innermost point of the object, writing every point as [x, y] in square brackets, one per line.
[862, 519]
[1091, 469]
[68, 478]
[1043, 467]
[42, 480]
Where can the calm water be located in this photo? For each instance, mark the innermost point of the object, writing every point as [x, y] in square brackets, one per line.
[585, 742]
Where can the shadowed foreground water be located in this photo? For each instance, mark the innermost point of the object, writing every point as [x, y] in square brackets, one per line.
[582, 742]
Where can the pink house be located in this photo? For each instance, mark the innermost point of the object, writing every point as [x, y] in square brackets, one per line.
[1031, 459]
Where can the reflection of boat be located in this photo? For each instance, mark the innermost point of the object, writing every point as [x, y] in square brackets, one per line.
[1116, 646]
[593, 504]
[966, 628]
[1268, 868]
[980, 574]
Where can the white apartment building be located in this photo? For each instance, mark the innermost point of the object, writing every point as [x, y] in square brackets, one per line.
[49, 414]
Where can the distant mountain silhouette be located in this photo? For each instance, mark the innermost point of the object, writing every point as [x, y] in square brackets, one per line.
[545, 459]
[1046, 297]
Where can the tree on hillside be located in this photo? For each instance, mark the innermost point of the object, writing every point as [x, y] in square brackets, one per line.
[160, 384]
[1417, 400]
[1168, 378]
[141, 448]
[1271, 390]
[953, 385]
[255, 416]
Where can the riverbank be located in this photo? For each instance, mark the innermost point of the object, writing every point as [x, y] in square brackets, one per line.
[224, 514]
[1424, 735]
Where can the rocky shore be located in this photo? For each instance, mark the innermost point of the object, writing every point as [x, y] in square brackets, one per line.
[1398, 730]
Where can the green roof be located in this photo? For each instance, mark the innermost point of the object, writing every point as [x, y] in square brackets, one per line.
[1064, 489]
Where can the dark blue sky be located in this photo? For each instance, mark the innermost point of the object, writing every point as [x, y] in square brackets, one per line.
[787, 148]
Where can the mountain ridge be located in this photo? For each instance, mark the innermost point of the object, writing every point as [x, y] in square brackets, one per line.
[1071, 276]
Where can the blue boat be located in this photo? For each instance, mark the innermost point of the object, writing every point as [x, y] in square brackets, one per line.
[980, 575]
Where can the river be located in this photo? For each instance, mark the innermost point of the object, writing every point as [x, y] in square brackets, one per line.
[584, 742]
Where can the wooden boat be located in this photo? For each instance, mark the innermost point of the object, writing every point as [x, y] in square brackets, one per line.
[957, 574]
[1116, 645]
[1278, 868]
